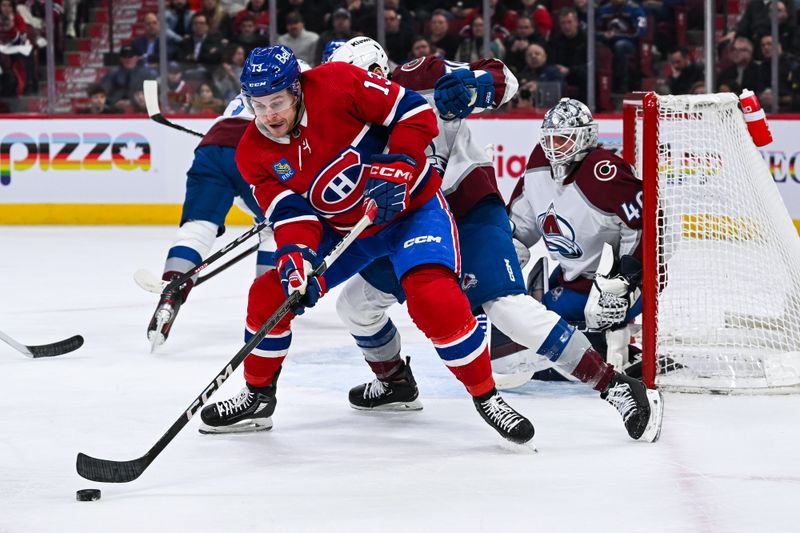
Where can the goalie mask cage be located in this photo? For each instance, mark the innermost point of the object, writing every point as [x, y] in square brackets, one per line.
[721, 278]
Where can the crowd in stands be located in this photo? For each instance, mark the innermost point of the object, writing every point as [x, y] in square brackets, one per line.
[544, 42]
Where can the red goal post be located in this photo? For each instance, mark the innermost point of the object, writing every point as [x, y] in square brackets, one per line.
[721, 263]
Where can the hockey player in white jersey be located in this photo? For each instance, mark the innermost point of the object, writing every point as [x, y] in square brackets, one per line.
[213, 185]
[492, 277]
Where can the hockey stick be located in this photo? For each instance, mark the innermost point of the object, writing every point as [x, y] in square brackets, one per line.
[150, 90]
[44, 350]
[149, 282]
[152, 283]
[106, 471]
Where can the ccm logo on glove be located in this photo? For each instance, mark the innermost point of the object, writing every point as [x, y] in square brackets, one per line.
[394, 174]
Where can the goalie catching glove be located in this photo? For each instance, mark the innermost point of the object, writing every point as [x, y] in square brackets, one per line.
[389, 177]
[295, 264]
[456, 94]
[612, 296]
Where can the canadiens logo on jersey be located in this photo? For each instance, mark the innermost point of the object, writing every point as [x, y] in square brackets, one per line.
[284, 170]
[339, 186]
[558, 233]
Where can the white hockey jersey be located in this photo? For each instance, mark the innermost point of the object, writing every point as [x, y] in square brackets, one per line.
[467, 171]
[600, 201]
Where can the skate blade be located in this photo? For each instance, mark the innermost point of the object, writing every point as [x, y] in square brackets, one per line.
[653, 430]
[414, 405]
[156, 340]
[248, 426]
[512, 381]
[523, 448]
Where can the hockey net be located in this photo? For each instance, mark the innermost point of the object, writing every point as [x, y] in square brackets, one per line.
[721, 289]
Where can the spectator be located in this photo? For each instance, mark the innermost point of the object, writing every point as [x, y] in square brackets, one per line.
[523, 100]
[178, 90]
[248, 36]
[398, 38]
[408, 22]
[620, 25]
[471, 47]
[698, 87]
[258, 10]
[536, 68]
[121, 83]
[314, 14]
[340, 31]
[765, 76]
[302, 42]
[567, 51]
[226, 77]
[518, 43]
[540, 15]
[755, 21]
[501, 15]
[179, 20]
[443, 42]
[204, 102]
[684, 72]
[363, 17]
[138, 104]
[97, 102]
[219, 22]
[201, 48]
[146, 46]
[16, 61]
[420, 47]
[744, 72]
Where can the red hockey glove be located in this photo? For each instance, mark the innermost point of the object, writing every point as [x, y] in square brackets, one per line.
[295, 264]
[388, 184]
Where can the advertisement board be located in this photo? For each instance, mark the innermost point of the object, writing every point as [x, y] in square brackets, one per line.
[82, 170]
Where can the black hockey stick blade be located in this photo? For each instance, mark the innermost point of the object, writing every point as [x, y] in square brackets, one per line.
[56, 348]
[105, 471]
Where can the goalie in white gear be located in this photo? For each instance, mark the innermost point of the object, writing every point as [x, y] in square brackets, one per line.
[492, 277]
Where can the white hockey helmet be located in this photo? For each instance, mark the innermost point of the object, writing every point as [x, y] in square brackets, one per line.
[568, 133]
[363, 52]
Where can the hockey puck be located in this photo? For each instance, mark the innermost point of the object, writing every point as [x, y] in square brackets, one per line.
[88, 495]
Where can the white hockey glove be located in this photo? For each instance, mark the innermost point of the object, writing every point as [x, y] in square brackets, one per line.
[611, 297]
[523, 253]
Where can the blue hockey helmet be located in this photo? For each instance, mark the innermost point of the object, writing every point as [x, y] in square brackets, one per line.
[330, 48]
[270, 70]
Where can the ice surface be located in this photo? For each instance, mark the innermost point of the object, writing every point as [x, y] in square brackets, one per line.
[723, 463]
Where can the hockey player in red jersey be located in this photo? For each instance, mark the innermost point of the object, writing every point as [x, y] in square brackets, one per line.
[493, 278]
[322, 143]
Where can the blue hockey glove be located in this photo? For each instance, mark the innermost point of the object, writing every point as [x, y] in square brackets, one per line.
[295, 264]
[456, 94]
[389, 176]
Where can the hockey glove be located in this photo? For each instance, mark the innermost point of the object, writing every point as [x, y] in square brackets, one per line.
[612, 297]
[295, 264]
[456, 94]
[388, 185]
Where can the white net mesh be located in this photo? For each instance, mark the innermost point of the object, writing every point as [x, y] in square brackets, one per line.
[728, 255]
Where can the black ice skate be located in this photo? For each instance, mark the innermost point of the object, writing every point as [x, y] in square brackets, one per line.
[166, 312]
[398, 393]
[641, 408]
[249, 411]
[498, 414]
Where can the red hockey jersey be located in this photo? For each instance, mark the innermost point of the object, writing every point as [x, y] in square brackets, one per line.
[320, 170]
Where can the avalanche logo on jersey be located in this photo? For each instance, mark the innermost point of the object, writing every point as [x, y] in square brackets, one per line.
[284, 170]
[558, 234]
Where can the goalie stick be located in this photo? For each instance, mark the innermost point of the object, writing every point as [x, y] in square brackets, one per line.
[150, 90]
[107, 471]
[44, 350]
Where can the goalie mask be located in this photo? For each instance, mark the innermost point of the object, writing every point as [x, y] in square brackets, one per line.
[568, 134]
[364, 53]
